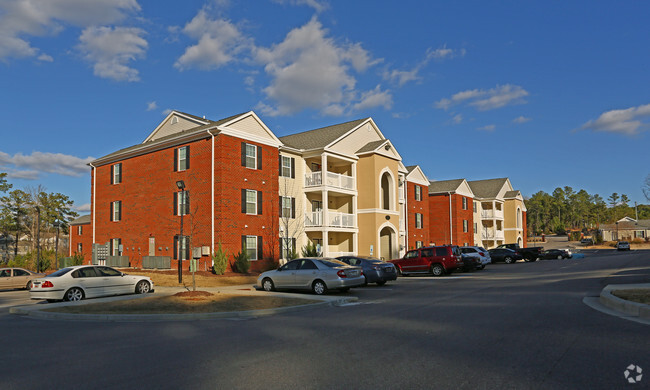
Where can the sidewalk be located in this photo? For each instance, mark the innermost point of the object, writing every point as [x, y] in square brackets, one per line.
[39, 310]
[610, 304]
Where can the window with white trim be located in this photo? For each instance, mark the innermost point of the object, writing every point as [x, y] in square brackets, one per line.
[251, 247]
[419, 244]
[287, 165]
[251, 156]
[288, 207]
[185, 247]
[182, 158]
[79, 229]
[465, 227]
[474, 206]
[115, 247]
[116, 211]
[79, 248]
[116, 173]
[475, 227]
[464, 203]
[251, 202]
[287, 247]
[418, 221]
[418, 192]
[182, 202]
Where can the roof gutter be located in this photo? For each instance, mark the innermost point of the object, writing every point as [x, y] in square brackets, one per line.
[451, 231]
[94, 202]
[212, 198]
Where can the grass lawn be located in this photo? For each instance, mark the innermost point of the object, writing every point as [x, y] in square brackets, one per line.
[203, 278]
[637, 295]
[185, 302]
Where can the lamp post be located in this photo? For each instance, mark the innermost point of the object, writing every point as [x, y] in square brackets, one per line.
[38, 239]
[181, 188]
[57, 224]
[616, 230]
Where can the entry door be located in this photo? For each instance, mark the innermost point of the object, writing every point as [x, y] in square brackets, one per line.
[317, 209]
[152, 246]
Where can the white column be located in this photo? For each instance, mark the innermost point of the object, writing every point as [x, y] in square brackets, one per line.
[326, 239]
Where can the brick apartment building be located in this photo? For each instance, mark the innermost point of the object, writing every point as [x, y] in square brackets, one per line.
[451, 214]
[417, 188]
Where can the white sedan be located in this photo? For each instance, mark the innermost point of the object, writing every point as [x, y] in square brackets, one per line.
[88, 281]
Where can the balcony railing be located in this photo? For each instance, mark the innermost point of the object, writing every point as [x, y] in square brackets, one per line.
[335, 219]
[492, 214]
[337, 254]
[492, 235]
[336, 180]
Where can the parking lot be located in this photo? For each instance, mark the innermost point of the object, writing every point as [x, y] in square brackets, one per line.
[517, 325]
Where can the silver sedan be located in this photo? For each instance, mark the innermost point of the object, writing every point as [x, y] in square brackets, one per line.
[317, 274]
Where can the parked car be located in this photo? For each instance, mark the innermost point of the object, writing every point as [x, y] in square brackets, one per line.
[88, 281]
[623, 246]
[477, 252]
[374, 270]
[437, 260]
[587, 241]
[318, 274]
[529, 254]
[555, 254]
[17, 278]
[506, 255]
[470, 263]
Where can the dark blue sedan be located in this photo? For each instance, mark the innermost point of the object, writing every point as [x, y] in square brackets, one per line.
[375, 270]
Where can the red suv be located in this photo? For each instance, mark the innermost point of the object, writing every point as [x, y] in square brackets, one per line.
[437, 260]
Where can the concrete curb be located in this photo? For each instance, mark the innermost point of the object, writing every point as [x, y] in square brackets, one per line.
[39, 311]
[633, 309]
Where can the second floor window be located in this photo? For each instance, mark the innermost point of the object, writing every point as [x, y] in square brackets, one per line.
[474, 206]
[116, 173]
[287, 166]
[251, 156]
[79, 229]
[181, 203]
[418, 193]
[116, 211]
[287, 207]
[251, 202]
[465, 227]
[418, 221]
[182, 159]
[464, 203]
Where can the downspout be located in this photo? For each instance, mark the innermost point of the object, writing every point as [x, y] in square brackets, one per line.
[94, 191]
[212, 199]
[451, 232]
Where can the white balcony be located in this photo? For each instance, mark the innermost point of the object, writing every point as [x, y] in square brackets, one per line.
[491, 235]
[332, 179]
[337, 254]
[335, 219]
[492, 214]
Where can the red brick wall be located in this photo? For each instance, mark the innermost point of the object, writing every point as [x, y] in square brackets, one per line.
[86, 240]
[414, 206]
[525, 227]
[439, 220]
[147, 195]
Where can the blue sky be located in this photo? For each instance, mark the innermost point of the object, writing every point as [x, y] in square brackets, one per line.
[547, 93]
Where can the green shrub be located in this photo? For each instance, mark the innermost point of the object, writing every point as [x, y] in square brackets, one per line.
[310, 250]
[241, 264]
[220, 260]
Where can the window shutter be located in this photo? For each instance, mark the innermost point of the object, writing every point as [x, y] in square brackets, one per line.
[119, 213]
[176, 247]
[280, 163]
[111, 210]
[112, 173]
[243, 244]
[282, 255]
[259, 157]
[243, 201]
[187, 202]
[293, 168]
[293, 245]
[293, 207]
[259, 202]
[175, 203]
[243, 154]
[260, 245]
[121, 171]
[281, 208]
[175, 160]
[187, 157]
[186, 240]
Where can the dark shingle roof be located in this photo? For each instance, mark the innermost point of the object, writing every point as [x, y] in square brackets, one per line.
[147, 144]
[444, 185]
[487, 188]
[319, 138]
[511, 194]
[370, 146]
[84, 219]
[627, 225]
[410, 168]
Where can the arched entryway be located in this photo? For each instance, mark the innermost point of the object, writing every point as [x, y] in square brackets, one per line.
[386, 191]
[387, 247]
[520, 242]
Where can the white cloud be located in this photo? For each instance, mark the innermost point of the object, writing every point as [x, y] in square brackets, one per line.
[520, 119]
[457, 119]
[167, 112]
[22, 19]
[402, 77]
[45, 58]
[30, 166]
[484, 100]
[374, 98]
[218, 43]
[487, 128]
[318, 6]
[311, 70]
[152, 106]
[111, 49]
[625, 121]
[84, 208]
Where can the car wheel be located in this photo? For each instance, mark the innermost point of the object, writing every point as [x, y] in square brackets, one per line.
[267, 284]
[142, 287]
[29, 285]
[381, 283]
[319, 287]
[507, 260]
[559, 257]
[437, 270]
[74, 294]
[399, 271]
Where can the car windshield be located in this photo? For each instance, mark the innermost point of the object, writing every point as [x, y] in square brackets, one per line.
[375, 261]
[332, 263]
[60, 272]
[456, 250]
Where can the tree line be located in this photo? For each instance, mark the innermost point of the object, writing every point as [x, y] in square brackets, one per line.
[32, 213]
[566, 209]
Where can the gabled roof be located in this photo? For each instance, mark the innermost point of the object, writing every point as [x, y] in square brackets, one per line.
[370, 146]
[416, 175]
[489, 188]
[84, 219]
[320, 138]
[627, 224]
[444, 186]
[162, 140]
[511, 194]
